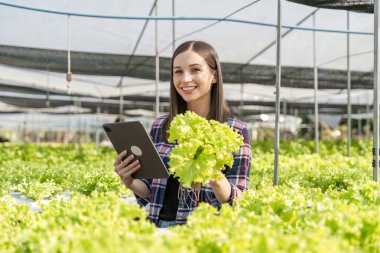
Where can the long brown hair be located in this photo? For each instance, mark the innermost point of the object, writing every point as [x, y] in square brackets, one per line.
[219, 110]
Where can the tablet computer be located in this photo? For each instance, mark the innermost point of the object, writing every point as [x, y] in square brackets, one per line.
[131, 136]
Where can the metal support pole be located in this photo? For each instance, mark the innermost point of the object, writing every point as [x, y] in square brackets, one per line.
[296, 115]
[284, 112]
[278, 85]
[97, 128]
[316, 109]
[121, 102]
[173, 25]
[360, 128]
[157, 64]
[48, 90]
[349, 127]
[241, 100]
[368, 127]
[376, 96]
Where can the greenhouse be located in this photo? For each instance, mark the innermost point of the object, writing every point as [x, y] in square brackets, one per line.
[297, 163]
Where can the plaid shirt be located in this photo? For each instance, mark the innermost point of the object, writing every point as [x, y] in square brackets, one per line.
[238, 176]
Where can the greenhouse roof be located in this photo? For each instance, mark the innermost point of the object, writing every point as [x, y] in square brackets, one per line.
[108, 51]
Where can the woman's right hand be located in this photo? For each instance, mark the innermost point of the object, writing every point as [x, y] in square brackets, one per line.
[126, 168]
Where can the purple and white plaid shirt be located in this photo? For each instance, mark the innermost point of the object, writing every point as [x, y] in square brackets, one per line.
[238, 176]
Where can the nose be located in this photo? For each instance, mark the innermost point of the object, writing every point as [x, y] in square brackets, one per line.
[186, 77]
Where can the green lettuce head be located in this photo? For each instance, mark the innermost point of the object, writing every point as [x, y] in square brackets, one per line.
[204, 148]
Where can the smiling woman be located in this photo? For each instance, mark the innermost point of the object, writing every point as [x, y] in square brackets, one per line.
[196, 85]
[193, 79]
[198, 61]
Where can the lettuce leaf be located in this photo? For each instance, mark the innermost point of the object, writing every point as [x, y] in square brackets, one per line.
[204, 148]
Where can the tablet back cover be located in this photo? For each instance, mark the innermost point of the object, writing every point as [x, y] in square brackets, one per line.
[131, 136]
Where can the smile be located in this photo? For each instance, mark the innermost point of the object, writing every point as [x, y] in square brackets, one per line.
[188, 88]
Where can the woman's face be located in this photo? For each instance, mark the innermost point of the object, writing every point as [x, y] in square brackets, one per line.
[192, 77]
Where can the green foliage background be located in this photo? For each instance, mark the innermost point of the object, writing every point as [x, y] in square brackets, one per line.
[325, 202]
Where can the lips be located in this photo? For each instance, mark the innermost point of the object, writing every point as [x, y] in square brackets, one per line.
[188, 89]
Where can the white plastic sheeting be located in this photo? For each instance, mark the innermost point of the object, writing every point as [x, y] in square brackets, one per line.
[235, 42]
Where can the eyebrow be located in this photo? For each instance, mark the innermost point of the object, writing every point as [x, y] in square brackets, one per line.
[191, 65]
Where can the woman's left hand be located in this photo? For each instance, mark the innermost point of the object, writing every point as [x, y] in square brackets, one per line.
[214, 181]
[221, 189]
[196, 186]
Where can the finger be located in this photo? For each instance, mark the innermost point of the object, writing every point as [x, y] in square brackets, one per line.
[119, 168]
[131, 171]
[124, 168]
[123, 164]
[128, 160]
[120, 157]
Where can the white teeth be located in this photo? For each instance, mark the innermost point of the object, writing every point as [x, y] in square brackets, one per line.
[188, 88]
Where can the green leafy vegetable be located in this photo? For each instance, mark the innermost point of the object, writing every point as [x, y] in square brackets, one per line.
[204, 148]
[325, 202]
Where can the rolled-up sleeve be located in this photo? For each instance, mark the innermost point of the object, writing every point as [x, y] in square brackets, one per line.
[237, 175]
[144, 201]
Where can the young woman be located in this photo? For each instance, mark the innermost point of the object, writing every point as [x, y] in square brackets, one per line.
[196, 85]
